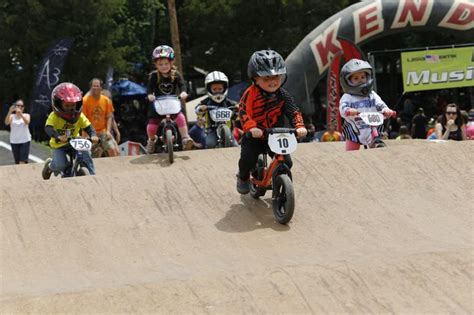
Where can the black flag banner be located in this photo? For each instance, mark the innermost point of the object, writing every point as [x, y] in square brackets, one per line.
[47, 78]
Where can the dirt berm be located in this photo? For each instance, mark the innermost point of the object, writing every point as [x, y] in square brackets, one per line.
[374, 231]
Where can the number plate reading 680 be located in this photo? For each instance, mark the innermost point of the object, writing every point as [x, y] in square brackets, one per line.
[373, 118]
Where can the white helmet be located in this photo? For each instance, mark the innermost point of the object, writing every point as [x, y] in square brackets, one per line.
[352, 66]
[216, 77]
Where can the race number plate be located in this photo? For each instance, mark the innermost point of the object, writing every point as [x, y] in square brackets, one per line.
[81, 144]
[372, 118]
[282, 143]
[220, 114]
[167, 105]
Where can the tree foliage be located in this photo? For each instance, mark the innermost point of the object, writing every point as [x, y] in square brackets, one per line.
[106, 33]
[215, 35]
[222, 34]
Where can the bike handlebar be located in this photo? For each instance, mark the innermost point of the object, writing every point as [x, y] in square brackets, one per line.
[393, 115]
[269, 131]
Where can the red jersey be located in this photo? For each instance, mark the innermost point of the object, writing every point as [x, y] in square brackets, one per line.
[265, 110]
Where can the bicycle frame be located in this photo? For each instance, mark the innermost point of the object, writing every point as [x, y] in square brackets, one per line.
[269, 173]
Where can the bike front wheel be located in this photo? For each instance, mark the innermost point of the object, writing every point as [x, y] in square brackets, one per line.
[169, 144]
[283, 199]
[83, 171]
[225, 137]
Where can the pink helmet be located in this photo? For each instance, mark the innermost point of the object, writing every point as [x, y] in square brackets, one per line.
[163, 51]
[67, 92]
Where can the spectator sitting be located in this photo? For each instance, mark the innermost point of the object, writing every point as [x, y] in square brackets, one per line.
[331, 134]
[404, 134]
[431, 129]
[470, 125]
[451, 126]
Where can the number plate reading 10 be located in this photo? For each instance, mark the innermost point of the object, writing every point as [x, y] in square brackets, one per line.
[282, 143]
[81, 144]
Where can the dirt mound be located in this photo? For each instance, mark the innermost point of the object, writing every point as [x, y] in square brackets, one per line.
[387, 230]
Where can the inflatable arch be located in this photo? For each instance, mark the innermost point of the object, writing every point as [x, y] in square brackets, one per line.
[364, 22]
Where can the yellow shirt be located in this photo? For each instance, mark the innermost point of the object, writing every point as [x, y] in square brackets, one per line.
[97, 111]
[63, 127]
[327, 136]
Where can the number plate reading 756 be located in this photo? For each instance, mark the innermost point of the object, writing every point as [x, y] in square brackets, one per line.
[282, 143]
[81, 144]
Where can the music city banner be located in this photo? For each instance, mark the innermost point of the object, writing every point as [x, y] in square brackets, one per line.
[366, 21]
[438, 69]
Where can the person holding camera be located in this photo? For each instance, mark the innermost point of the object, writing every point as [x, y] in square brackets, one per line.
[20, 136]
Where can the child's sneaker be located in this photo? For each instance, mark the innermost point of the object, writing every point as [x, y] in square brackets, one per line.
[46, 173]
[242, 186]
[150, 146]
[188, 144]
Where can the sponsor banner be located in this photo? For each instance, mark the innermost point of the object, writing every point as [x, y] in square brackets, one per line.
[349, 51]
[48, 77]
[363, 22]
[333, 93]
[438, 69]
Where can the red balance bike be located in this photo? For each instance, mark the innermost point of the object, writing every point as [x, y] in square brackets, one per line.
[277, 175]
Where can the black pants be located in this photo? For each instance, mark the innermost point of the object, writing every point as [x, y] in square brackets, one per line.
[250, 150]
[21, 152]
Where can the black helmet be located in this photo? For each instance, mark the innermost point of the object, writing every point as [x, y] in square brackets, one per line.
[266, 63]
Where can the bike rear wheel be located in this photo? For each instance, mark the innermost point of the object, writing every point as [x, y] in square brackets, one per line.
[255, 191]
[283, 199]
[169, 145]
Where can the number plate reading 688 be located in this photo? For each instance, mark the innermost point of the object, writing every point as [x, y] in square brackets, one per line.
[282, 143]
[81, 144]
[221, 114]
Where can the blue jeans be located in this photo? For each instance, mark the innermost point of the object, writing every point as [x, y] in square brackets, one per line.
[208, 140]
[60, 163]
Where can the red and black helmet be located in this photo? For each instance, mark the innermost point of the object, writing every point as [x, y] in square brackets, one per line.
[67, 92]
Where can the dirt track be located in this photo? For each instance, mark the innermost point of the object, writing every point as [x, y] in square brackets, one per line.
[387, 230]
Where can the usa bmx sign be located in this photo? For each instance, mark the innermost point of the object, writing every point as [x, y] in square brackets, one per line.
[363, 22]
[438, 69]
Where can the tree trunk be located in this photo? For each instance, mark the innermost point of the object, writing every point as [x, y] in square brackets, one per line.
[175, 34]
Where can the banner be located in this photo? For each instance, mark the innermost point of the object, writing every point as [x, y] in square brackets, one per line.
[364, 22]
[349, 51]
[438, 69]
[333, 93]
[47, 78]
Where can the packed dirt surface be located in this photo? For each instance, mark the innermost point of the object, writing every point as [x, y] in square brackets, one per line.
[374, 231]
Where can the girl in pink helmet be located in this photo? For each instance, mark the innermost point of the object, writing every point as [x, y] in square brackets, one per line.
[165, 80]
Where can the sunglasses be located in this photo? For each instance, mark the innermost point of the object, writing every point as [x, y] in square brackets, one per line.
[451, 113]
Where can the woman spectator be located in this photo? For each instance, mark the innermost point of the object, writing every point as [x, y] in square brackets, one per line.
[451, 126]
[20, 136]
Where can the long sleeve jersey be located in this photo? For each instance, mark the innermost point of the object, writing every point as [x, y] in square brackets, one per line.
[165, 86]
[354, 127]
[265, 110]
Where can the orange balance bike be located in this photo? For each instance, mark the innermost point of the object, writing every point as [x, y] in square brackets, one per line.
[276, 176]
